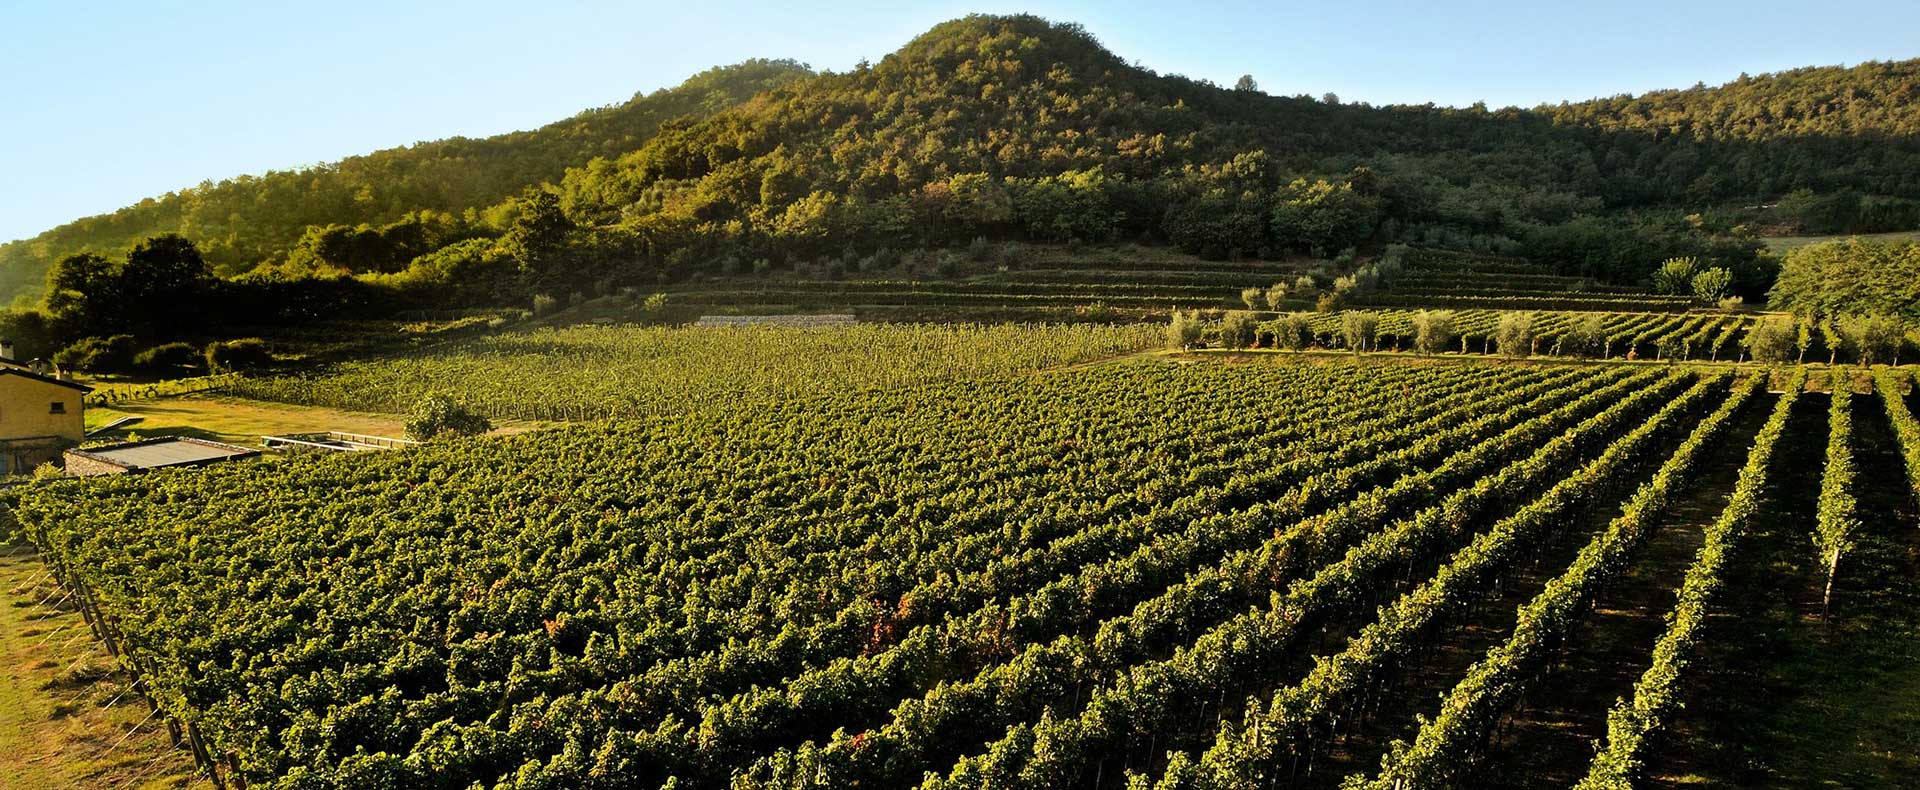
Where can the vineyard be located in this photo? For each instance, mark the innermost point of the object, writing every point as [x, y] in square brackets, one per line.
[1703, 337]
[1040, 284]
[1140, 574]
[590, 372]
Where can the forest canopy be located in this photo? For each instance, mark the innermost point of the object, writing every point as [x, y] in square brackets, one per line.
[1852, 277]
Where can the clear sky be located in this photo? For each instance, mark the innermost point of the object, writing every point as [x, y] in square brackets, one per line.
[103, 103]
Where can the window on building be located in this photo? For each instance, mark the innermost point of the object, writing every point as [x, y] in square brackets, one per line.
[59, 407]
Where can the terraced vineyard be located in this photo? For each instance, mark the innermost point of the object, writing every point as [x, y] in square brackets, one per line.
[1146, 284]
[1137, 574]
[1442, 279]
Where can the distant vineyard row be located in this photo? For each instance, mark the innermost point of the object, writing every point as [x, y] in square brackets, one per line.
[1594, 335]
[588, 372]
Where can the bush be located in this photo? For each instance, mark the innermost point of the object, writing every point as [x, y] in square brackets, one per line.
[98, 355]
[239, 356]
[168, 358]
[544, 304]
[439, 415]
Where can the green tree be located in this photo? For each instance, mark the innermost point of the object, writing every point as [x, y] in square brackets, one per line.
[1292, 331]
[1433, 331]
[1322, 216]
[1358, 329]
[1873, 339]
[1276, 296]
[1773, 339]
[1183, 329]
[538, 230]
[83, 296]
[1238, 329]
[1585, 335]
[1675, 276]
[1712, 284]
[163, 278]
[1515, 334]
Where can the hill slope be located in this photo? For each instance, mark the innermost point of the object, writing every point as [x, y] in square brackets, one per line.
[1017, 128]
[239, 221]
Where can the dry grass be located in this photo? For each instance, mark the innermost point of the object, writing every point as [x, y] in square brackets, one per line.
[67, 717]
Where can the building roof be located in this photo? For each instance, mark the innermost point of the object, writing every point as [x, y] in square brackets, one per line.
[25, 373]
[171, 451]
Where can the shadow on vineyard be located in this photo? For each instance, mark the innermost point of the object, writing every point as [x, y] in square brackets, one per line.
[1782, 698]
[1431, 672]
[1552, 740]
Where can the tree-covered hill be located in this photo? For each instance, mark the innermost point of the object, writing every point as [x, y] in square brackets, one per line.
[241, 221]
[1015, 128]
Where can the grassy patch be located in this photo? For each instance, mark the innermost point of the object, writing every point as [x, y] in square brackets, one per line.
[230, 419]
[67, 717]
[241, 421]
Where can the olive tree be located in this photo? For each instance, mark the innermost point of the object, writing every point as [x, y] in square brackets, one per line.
[1584, 336]
[1515, 334]
[1773, 339]
[1237, 330]
[1873, 338]
[1276, 296]
[1432, 331]
[1358, 328]
[1292, 331]
[1184, 330]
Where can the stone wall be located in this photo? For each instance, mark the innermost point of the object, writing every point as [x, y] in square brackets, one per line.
[81, 466]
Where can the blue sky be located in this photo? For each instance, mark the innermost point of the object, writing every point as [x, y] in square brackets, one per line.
[106, 102]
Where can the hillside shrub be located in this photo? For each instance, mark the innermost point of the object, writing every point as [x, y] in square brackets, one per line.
[239, 356]
[114, 354]
[168, 358]
[439, 415]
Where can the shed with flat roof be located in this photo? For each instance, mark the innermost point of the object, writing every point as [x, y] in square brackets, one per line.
[167, 453]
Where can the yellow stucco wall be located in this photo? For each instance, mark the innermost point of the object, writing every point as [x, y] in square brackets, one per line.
[26, 409]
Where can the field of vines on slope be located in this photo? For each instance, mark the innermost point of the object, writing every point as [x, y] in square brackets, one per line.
[589, 372]
[1176, 575]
